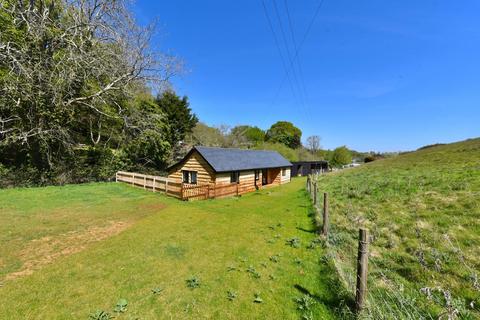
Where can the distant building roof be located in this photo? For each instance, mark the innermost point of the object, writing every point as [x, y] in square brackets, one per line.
[226, 159]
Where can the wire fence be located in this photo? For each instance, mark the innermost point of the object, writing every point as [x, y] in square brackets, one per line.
[386, 297]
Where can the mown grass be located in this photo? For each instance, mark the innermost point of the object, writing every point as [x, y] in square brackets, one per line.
[233, 248]
[423, 211]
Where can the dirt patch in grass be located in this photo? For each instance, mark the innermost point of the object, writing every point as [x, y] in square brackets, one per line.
[41, 252]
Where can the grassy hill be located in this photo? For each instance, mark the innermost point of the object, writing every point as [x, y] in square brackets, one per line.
[423, 211]
[66, 252]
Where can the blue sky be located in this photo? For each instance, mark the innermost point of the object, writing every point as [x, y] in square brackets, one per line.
[377, 75]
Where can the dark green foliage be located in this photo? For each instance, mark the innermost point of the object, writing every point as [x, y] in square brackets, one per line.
[247, 135]
[286, 133]
[179, 116]
[72, 113]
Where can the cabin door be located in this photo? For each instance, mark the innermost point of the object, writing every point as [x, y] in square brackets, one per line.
[264, 177]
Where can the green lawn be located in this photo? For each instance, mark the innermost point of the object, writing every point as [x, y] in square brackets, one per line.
[69, 251]
[423, 210]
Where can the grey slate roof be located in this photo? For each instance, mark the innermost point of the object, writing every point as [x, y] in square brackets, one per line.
[225, 159]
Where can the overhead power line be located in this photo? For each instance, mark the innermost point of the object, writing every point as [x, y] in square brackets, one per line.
[289, 55]
[299, 64]
[285, 67]
[299, 47]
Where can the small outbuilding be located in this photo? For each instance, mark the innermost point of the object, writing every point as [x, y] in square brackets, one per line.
[207, 172]
[304, 168]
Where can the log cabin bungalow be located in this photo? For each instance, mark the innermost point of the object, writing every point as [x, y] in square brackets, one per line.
[207, 172]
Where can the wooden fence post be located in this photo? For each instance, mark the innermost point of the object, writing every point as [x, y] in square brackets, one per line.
[133, 179]
[308, 184]
[153, 184]
[315, 194]
[116, 176]
[166, 186]
[144, 182]
[325, 214]
[362, 270]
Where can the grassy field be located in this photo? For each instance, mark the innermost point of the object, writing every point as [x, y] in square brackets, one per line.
[67, 252]
[423, 211]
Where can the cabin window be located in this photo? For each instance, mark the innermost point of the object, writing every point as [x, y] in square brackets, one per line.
[257, 175]
[189, 177]
[284, 172]
[235, 177]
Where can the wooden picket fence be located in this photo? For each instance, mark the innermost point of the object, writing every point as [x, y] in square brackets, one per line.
[149, 182]
[181, 190]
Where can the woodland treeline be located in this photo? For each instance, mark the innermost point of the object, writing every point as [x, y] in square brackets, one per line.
[76, 102]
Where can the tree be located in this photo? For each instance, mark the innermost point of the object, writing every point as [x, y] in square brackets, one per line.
[341, 156]
[68, 73]
[286, 133]
[207, 136]
[147, 145]
[246, 136]
[179, 116]
[313, 144]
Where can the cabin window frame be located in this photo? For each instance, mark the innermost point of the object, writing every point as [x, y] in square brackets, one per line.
[284, 172]
[189, 177]
[235, 177]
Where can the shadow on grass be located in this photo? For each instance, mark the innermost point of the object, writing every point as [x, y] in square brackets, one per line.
[332, 293]
[341, 304]
[306, 230]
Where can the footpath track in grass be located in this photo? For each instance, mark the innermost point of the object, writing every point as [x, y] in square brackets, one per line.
[238, 258]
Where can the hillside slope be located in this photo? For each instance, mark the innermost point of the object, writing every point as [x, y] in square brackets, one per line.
[423, 211]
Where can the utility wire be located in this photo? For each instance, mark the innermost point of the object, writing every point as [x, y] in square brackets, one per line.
[287, 72]
[289, 55]
[299, 64]
[310, 25]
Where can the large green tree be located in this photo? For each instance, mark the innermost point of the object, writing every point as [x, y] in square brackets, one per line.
[341, 156]
[286, 133]
[181, 119]
[69, 72]
[245, 136]
[204, 135]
